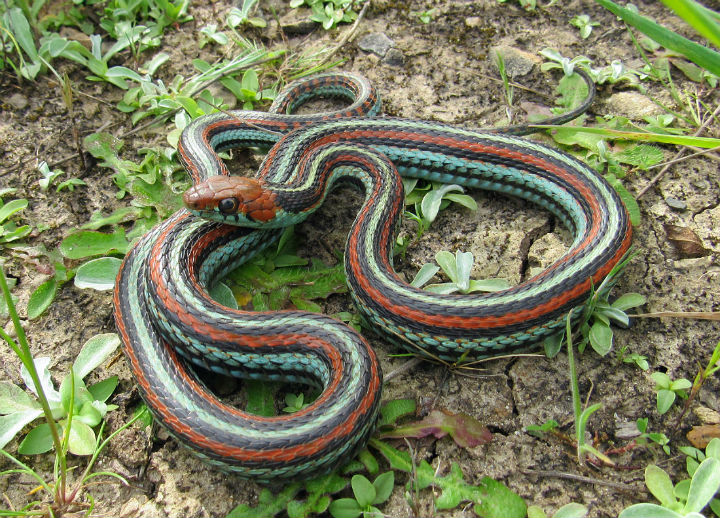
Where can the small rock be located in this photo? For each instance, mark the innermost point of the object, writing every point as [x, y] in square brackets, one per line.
[625, 429]
[676, 204]
[517, 62]
[130, 508]
[90, 109]
[376, 42]
[373, 59]
[633, 105]
[300, 27]
[18, 101]
[707, 415]
[291, 23]
[394, 58]
[163, 434]
[473, 21]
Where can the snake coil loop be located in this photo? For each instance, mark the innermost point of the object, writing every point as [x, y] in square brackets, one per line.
[167, 320]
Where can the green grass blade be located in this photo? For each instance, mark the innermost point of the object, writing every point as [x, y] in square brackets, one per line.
[697, 16]
[678, 140]
[701, 56]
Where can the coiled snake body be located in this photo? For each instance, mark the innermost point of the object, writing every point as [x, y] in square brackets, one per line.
[163, 311]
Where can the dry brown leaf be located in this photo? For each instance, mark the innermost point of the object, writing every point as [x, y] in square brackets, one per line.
[700, 436]
[687, 243]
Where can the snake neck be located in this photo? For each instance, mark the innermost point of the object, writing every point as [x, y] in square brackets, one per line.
[326, 166]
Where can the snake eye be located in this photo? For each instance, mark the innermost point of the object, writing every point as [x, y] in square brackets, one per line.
[228, 205]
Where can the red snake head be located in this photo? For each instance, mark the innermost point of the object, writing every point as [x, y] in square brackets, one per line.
[232, 199]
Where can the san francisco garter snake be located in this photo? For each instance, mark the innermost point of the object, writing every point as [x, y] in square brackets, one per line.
[163, 311]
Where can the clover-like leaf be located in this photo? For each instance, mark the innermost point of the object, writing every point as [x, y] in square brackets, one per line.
[363, 490]
[94, 352]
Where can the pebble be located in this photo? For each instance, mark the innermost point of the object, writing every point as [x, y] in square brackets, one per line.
[130, 508]
[394, 58]
[18, 101]
[291, 23]
[517, 62]
[676, 204]
[633, 105]
[625, 429]
[473, 21]
[376, 42]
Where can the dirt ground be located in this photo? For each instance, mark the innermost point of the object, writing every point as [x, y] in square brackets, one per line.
[439, 71]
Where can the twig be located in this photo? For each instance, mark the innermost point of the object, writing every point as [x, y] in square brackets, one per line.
[709, 152]
[348, 35]
[501, 357]
[518, 86]
[677, 156]
[52, 81]
[582, 478]
[700, 315]
[408, 365]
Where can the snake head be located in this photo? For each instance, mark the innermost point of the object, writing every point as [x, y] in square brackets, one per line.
[236, 200]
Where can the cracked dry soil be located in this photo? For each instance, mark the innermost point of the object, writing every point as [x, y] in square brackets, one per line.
[439, 71]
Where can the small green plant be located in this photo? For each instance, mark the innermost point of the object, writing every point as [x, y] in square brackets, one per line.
[427, 16]
[427, 199]
[713, 366]
[136, 26]
[598, 313]
[571, 510]
[97, 59]
[489, 498]
[242, 16]
[581, 415]
[638, 359]
[294, 402]
[502, 70]
[330, 13]
[74, 406]
[668, 390]
[367, 496]
[585, 25]
[528, 5]
[539, 430]
[211, 34]
[49, 178]
[10, 231]
[615, 72]
[278, 278]
[189, 97]
[458, 268]
[88, 410]
[600, 336]
[16, 31]
[688, 497]
[646, 437]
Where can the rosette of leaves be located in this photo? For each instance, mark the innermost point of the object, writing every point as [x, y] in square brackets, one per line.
[81, 409]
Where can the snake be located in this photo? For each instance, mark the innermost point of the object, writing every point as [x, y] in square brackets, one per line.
[170, 325]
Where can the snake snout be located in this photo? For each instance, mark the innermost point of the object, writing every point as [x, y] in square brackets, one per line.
[193, 198]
